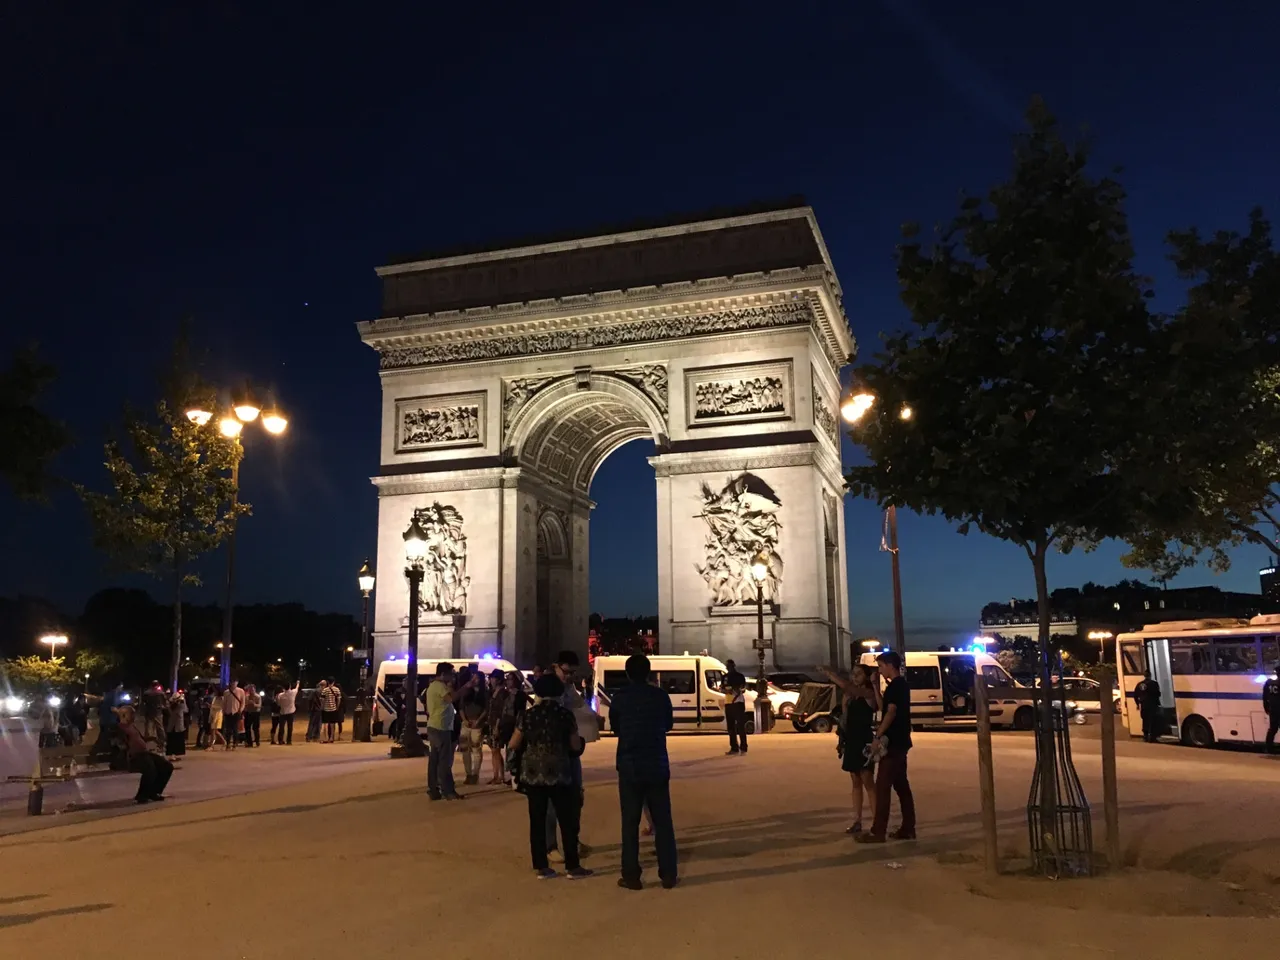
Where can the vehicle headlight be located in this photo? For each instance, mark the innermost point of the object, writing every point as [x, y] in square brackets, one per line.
[13, 705]
[55, 701]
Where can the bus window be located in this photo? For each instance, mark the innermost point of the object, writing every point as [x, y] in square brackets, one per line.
[1270, 656]
[923, 678]
[1190, 657]
[615, 679]
[715, 678]
[676, 681]
[1133, 658]
[1235, 657]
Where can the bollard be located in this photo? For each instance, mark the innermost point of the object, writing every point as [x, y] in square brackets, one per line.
[986, 777]
[35, 799]
[1110, 792]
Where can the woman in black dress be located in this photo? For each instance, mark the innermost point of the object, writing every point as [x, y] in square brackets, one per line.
[862, 700]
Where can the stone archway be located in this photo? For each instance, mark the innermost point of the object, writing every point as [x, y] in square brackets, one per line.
[509, 375]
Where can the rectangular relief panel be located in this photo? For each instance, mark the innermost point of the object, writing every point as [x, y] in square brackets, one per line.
[743, 393]
[441, 422]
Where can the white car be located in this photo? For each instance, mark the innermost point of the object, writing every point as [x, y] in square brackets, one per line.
[782, 701]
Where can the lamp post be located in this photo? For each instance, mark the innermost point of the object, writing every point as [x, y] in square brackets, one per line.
[857, 402]
[763, 709]
[366, 580]
[244, 410]
[415, 554]
[54, 640]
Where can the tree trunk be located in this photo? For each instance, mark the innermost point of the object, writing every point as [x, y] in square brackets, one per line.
[177, 625]
[1044, 729]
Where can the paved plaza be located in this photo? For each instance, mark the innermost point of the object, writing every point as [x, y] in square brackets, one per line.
[325, 851]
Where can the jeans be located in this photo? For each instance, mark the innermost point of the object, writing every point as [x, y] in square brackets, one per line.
[253, 729]
[286, 727]
[155, 771]
[735, 718]
[565, 803]
[582, 799]
[891, 776]
[230, 723]
[440, 763]
[275, 727]
[313, 727]
[634, 796]
[471, 743]
[1272, 730]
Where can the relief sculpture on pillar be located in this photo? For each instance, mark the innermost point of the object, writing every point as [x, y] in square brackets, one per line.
[445, 581]
[651, 379]
[742, 523]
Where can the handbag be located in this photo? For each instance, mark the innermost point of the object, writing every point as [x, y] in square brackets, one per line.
[240, 723]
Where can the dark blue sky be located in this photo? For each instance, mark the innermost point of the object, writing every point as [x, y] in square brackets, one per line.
[250, 169]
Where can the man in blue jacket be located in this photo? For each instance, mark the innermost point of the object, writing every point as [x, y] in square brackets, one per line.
[640, 714]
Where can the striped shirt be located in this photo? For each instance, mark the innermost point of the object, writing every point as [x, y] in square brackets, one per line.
[330, 697]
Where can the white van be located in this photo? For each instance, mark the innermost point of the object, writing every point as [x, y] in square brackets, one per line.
[391, 677]
[941, 685]
[692, 681]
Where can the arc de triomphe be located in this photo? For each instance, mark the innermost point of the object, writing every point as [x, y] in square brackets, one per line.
[509, 375]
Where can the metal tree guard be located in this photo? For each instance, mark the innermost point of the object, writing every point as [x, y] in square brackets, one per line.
[1058, 816]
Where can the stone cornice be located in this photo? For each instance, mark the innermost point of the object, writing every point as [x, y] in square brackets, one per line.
[455, 337]
[411, 483]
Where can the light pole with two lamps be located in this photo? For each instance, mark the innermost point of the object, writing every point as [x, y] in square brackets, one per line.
[857, 402]
[366, 580]
[54, 640]
[415, 555]
[244, 410]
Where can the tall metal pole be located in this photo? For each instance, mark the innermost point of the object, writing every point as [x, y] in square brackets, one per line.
[410, 740]
[899, 638]
[364, 640]
[761, 689]
[231, 572]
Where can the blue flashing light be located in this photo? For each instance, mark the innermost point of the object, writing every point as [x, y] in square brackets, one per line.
[1260, 678]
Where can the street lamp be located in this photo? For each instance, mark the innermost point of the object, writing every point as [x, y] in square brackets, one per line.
[366, 580]
[244, 409]
[857, 401]
[763, 709]
[54, 640]
[415, 555]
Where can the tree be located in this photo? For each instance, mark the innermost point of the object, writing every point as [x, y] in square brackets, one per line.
[1014, 402]
[1216, 453]
[95, 662]
[29, 438]
[30, 674]
[172, 496]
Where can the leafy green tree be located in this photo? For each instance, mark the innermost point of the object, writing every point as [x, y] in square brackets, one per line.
[96, 662]
[29, 674]
[1216, 431]
[29, 437]
[171, 496]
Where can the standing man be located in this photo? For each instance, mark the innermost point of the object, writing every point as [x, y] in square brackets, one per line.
[894, 731]
[641, 715]
[735, 709]
[566, 668]
[1271, 704]
[440, 714]
[232, 714]
[330, 704]
[1147, 694]
[473, 706]
[287, 701]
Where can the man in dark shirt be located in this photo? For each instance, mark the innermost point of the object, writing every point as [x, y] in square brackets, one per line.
[1271, 704]
[891, 775]
[641, 715]
[1147, 694]
[735, 708]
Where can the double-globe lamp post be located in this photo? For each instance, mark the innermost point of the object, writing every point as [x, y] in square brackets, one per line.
[244, 410]
[366, 580]
[855, 405]
[415, 555]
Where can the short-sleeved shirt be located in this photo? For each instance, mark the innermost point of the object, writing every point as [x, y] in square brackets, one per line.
[641, 715]
[330, 698]
[899, 732]
[440, 712]
[735, 687]
[547, 759]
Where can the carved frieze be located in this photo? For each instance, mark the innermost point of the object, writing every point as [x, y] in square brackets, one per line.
[518, 392]
[649, 330]
[427, 423]
[649, 378]
[742, 524]
[445, 581]
[823, 416]
[747, 392]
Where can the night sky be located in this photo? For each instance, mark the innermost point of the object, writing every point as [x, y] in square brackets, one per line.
[250, 169]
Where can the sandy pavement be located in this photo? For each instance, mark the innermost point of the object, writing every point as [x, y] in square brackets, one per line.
[358, 860]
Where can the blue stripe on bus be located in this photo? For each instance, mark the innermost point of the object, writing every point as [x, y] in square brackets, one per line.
[1205, 695]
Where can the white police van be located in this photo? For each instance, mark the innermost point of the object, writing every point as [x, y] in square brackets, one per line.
[391, 674]
[693, 681]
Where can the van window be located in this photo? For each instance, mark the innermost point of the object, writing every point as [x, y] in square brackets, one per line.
[995, 676]
[1134, 659]
[615, 679]
[676, 681]
[715, 679]
[923, 678]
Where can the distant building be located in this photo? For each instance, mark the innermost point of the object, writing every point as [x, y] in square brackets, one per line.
[1270, 581]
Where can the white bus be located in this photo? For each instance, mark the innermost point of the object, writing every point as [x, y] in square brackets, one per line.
[390, 678]
[1210, 674]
